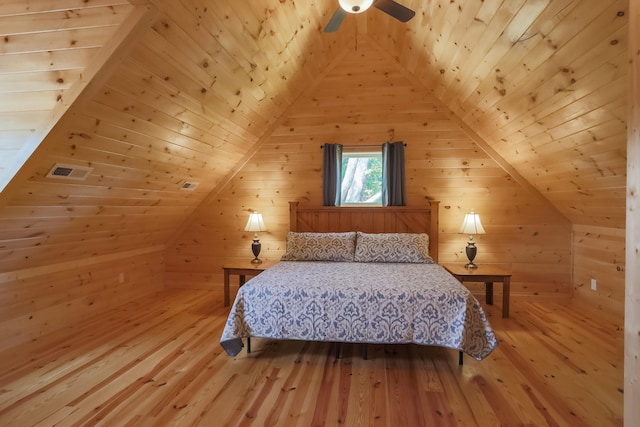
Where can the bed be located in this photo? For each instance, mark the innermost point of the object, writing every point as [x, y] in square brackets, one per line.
[360, 275]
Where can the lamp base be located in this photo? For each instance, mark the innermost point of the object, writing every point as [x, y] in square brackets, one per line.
[255, 248]
[471, 251]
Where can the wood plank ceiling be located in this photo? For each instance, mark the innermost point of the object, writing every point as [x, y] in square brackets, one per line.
[544, 83]
[49, 50]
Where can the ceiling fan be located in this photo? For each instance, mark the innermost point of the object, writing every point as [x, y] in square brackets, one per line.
[390, 7]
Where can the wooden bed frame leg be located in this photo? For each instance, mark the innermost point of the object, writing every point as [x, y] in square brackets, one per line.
[460, 358]
[248, 345]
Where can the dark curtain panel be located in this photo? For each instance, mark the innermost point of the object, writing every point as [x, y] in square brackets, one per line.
[393, 183]
[331, 174]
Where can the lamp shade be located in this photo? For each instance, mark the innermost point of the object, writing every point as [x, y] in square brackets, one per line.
[355, 6]
[255, 223]
[472, 224]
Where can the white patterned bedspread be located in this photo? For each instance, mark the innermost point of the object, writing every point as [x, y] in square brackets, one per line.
[359, 302]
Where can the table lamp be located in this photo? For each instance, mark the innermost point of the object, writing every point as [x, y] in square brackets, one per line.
[471, 226]
[255, 224]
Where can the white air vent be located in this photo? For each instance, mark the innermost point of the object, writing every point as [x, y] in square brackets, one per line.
[189, 185]
[79, 173]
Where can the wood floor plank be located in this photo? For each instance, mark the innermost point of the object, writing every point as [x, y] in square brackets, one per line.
[158, 361]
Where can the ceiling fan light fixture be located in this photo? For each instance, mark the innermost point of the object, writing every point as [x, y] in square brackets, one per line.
[355, 6]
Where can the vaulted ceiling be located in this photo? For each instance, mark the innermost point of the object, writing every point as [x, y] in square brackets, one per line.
[155, 93]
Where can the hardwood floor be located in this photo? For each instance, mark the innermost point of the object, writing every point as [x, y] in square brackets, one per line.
[158, 362]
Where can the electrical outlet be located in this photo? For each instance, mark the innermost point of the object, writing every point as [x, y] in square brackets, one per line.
[121, 278]
[594, 284]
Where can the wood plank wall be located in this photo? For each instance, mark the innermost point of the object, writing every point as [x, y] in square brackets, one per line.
[186, 96]
[599, 254]
[632, 291]
[202, 85]
[36, 301]
[366, 99]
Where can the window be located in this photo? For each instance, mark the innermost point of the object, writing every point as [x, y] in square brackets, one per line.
[356, 176]
[361, 178]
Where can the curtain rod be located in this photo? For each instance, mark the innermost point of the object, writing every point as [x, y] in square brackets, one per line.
[361, 146]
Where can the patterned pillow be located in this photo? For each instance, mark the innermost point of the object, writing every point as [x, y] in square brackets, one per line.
[320, 246]
[393, 247]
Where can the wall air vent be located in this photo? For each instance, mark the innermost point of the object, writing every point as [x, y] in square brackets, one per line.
[75, 172]
[189, 185]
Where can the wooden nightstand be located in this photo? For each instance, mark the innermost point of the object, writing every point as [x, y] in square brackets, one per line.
[487, 274]
[242, 269]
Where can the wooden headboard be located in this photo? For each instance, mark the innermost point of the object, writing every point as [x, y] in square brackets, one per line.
[390, 219]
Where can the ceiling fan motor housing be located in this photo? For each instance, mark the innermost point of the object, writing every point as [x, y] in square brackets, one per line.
[355, 6]
[390, 7]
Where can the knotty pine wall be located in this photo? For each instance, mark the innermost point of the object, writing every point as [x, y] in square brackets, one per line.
[39, 300]
[184, 94]
[366, 99]
[632, 232]
[599, 253]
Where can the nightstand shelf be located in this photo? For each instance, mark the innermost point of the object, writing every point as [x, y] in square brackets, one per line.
[487, 274]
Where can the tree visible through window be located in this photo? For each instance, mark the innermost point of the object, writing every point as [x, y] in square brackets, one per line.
[363, 175]
[361, 178]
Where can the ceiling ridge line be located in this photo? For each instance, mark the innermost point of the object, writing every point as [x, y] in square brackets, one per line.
[254, 149]
[475, 137]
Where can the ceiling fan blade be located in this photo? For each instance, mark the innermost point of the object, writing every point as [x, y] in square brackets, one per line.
[395, 9]
[335, 21]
